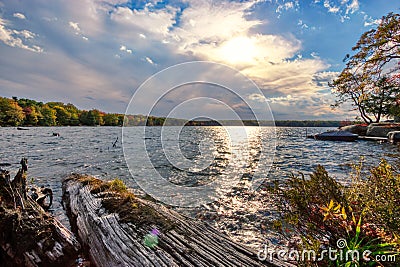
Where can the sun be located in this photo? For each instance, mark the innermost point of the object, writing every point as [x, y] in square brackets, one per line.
[238, 50]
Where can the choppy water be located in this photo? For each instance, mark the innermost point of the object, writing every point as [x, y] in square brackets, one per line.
[240, 213]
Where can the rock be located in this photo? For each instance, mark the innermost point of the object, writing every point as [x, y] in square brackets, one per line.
[359, 129]
[382, 129]
[124, 230]
[394, 136]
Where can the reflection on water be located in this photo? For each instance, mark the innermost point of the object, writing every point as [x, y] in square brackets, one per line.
[241, 213]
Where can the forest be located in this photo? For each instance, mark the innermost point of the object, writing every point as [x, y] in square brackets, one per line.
[27, 112]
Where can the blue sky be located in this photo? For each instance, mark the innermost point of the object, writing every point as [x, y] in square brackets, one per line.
[96, 53]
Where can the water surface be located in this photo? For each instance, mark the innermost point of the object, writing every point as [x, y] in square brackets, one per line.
[240, 213]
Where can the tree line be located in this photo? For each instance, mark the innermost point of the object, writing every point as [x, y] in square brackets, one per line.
[370, 80]
[27, 112]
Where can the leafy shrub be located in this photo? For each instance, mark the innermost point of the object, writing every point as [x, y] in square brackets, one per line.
[321, 211]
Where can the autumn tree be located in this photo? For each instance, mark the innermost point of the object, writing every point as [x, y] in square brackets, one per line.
[10, 112]
[31, 115]
[367, 80]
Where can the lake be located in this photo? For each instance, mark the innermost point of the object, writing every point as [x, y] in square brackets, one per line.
[241, 213]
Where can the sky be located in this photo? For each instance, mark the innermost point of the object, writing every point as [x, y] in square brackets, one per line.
[97, 53]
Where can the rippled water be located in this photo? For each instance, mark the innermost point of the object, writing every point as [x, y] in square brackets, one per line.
[240, 213]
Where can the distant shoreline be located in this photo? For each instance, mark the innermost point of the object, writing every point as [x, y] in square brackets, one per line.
[278, 123]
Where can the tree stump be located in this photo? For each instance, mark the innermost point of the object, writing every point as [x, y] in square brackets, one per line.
[28, 235]
[121, 229]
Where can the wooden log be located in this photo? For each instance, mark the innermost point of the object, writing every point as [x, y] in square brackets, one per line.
[28, 235]
[114, 225]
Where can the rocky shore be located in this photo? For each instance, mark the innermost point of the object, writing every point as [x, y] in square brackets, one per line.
[381, 129]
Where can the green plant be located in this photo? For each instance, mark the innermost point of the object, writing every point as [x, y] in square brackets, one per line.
[117, 185]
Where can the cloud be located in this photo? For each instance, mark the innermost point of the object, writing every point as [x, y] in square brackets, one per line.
[302, 24]
[123, 48]
[74, 26]
[257, 97]
[10, 37]
[344, 9]
[369, 21]
[353, 7]
[149, 60]
[287, 6]
[321, 79]
[331, 8]
[19, 15]
[24, 33]
[155, 22]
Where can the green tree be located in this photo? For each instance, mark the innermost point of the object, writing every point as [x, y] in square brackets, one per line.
[62, 115]
[111, 119]
[74, 111]
[48, 116]
[92, 117]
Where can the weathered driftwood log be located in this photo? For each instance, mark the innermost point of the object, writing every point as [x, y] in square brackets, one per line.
[28, 235]
[113, 223]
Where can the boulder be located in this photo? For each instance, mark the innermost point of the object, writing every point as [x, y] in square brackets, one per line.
[394, 136]
[382, 129]
[359, 129]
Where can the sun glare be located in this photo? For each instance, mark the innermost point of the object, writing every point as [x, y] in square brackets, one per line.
[238, 50]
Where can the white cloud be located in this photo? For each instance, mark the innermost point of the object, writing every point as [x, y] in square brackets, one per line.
[283, 100]
[369, 21]
[302, 24]
[149, 60]
[353, 7]
[228, 21]
[75, 26]
[19, 15]
[331, 8]
[10, 37]
[257, 97]
[142, 36]
[286, 6]
[155, 22]
[25, 33]
[125, 49]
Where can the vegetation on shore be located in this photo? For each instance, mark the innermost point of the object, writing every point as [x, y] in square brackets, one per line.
[321, 211]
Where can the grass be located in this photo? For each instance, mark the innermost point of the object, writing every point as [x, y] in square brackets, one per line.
[116, 198]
